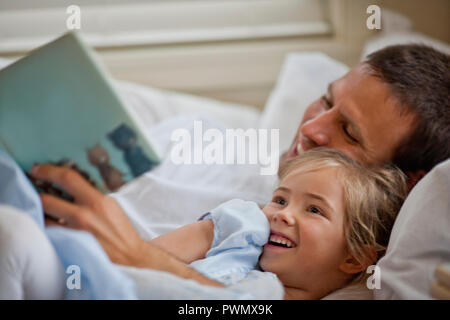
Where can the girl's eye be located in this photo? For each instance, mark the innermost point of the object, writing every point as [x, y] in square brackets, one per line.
[314, 209]
[279, 201]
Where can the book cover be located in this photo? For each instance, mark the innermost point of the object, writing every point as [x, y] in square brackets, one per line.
[58, 106]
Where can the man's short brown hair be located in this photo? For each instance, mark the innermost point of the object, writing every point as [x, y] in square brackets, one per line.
[419, 77]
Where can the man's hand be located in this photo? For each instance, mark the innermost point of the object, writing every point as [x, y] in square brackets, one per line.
[91, 211]
[101, 215]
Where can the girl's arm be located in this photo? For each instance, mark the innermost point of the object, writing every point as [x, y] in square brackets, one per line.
[188, 243]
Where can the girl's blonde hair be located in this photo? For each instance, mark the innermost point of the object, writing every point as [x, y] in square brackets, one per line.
[373, 197]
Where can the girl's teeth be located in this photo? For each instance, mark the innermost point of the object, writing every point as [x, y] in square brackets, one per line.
[299, 148]
[287, 243]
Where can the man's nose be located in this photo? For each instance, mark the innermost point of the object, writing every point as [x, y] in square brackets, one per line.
[317, 131]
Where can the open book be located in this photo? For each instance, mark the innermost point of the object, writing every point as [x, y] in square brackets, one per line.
[58, 106]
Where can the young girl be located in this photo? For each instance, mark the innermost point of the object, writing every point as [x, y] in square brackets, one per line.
[329, 219]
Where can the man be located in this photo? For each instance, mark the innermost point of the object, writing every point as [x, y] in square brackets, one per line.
[392, 108]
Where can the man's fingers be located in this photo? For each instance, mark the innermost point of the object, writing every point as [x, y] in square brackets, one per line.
[50, 223]
[72, 182]
[65, 213]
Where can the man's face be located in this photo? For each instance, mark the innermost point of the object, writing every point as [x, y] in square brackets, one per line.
[358, 116]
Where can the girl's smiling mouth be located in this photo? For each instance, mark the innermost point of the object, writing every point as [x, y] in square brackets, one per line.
[279, 240]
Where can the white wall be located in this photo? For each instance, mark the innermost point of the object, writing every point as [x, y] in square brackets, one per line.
[238, 66]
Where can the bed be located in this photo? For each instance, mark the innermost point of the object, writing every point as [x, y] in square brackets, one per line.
[418, 244]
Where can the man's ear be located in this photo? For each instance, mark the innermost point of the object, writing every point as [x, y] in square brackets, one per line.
[414, 177]
[350, 265]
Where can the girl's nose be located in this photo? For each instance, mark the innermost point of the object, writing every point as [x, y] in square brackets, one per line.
[284, 216]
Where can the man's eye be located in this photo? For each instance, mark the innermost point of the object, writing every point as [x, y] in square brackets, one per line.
[344, 128]
[327, 102]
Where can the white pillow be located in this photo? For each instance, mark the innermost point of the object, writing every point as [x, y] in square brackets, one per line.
[155, 105]
[420, 239]
[304, 77]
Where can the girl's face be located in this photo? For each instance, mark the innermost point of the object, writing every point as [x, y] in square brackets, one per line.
[307, 243]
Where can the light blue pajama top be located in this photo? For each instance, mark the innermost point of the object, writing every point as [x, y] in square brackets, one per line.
[240, 231]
